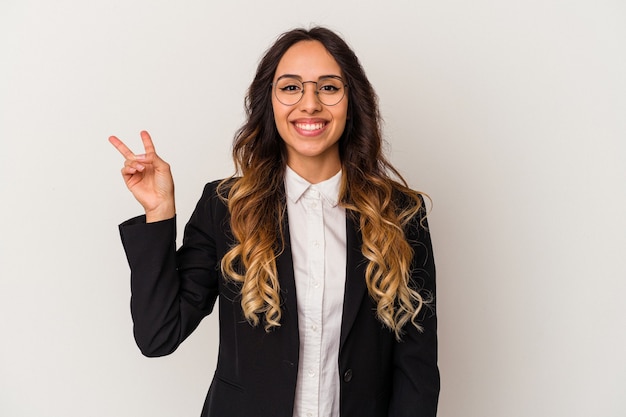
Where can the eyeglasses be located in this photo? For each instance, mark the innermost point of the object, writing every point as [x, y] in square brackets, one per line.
[329, 90]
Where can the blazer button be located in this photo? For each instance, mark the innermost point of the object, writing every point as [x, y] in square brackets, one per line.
[347, 376]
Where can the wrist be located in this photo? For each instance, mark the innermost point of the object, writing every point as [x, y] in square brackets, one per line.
[160, 213]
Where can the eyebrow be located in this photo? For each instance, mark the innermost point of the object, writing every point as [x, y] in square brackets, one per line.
[300, 78]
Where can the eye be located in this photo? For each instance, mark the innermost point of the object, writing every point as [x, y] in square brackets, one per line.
[328, 88]
[289, 86]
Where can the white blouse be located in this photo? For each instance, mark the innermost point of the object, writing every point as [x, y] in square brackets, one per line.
[317, 229]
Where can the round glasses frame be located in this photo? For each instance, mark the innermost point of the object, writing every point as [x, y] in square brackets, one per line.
[296, 90]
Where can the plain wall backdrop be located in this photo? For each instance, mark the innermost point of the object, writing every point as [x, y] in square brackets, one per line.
[511, 115]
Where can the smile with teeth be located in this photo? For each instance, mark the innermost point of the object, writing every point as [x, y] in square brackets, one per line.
[310, 126]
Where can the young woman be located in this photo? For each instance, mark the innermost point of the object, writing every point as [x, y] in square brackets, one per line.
[321, 260]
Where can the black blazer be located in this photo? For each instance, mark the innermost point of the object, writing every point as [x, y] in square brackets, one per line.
[256, 371]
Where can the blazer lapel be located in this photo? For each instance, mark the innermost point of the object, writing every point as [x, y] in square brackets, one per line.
[284, 266]
[355, 278]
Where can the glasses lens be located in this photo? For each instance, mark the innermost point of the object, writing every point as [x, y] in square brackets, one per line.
[330, 90]
[289, 90]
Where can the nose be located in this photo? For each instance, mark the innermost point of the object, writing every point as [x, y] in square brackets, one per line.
[310, 101]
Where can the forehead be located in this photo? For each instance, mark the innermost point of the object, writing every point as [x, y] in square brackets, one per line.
[309, 60]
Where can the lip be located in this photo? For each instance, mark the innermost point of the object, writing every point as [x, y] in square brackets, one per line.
[310, 127]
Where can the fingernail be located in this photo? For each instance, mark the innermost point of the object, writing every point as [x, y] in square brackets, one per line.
[140, 168]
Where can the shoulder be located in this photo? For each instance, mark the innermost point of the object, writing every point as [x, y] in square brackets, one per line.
[412, 209]
[408, 200]
[211, 215]
[217, 190]
[213, 201]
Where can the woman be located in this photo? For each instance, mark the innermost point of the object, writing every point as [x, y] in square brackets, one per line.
[322, 262]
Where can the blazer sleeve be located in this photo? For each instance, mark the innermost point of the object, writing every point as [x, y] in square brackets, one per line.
[171, 291]
[416, 380]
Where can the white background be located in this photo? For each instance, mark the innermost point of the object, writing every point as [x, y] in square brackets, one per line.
[510, 114]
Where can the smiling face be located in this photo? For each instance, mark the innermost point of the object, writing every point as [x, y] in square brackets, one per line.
[310, 129]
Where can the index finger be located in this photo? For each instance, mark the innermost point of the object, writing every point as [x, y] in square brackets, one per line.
[121, 147]
[147, 142]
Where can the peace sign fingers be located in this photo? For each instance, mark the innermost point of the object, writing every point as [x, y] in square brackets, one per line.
[121, 147]
[148, 146]
[148, 177]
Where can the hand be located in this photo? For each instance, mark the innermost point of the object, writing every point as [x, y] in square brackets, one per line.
[149, 179]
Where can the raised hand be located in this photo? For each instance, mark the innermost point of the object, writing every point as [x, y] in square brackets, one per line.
[148, 178]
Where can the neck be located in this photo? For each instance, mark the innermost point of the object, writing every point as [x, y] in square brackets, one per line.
[315, 171]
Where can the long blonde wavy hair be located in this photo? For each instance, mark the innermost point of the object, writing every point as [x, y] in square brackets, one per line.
[382, 206]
